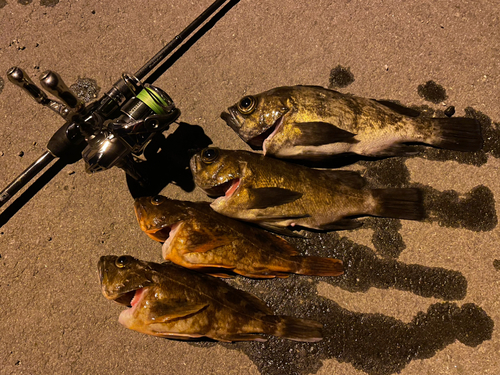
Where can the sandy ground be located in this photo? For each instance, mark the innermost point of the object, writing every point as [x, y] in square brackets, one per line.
[417, 297]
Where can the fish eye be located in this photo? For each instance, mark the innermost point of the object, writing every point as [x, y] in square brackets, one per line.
[157, 200]
[247, 105]
[121, 261]
[209, 155]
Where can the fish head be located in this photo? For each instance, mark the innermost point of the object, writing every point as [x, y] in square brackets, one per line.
[218, 172]
[255, 117]
[123, 278]
[157, 215]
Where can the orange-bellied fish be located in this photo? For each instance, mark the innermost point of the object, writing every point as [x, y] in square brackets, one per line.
[197, 237]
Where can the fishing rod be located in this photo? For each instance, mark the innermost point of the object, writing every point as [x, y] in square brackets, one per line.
[114, 130]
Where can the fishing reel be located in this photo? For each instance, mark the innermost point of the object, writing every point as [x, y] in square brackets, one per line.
[115, 129]
[117, 141]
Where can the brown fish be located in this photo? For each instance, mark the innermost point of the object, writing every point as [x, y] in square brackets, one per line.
[197, 237]
[311, 122]
[173, 302]
[277, 194]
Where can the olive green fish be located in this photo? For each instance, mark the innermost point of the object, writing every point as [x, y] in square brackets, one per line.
[197, 237]
[314, 123]
[277, 194]
[173, 302]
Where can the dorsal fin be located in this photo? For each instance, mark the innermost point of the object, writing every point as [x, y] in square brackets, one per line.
[398, 108]
[349, 178]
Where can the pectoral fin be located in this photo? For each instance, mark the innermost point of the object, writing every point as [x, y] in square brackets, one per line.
[271, 197]
[321, 133]
[162, 312]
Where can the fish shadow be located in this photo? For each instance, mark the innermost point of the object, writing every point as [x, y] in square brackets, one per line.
[374, 343]
[167, 161]
[364, 269]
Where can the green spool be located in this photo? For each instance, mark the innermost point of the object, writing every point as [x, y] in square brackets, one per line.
[152, 100]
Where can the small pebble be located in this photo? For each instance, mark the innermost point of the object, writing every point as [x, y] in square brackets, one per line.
[386, 67]
[20, 154]
[450, 111]
[496, 264]
[71, 172]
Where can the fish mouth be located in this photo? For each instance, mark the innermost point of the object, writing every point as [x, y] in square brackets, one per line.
[129, 299]
[225, 189]
[162, 234]
[265, 137]
[232, 120]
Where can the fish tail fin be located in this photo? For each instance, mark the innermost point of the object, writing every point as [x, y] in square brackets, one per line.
[293, 328]
[399, 203]
[319, 266]
[458, 134]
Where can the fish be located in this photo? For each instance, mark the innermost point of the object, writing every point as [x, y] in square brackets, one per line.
[173, 302]
[314, 123]
[197, 237]
[278, 194]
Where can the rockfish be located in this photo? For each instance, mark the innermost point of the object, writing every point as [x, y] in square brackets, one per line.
[197, 237]
[173, 302]
[314, 123]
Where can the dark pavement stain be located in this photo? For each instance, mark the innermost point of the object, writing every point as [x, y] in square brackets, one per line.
[340, 77]
[49, 3]
[386, 238]
[3, 3]
[86, 89]
[2, 84]
[475, 212]
[432, 92]
[365, 270]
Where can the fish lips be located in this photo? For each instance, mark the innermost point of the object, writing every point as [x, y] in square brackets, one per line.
[233, 120]
[236, 122]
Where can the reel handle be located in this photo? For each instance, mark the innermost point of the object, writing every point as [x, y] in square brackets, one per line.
[19, 78]
[53, 83]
